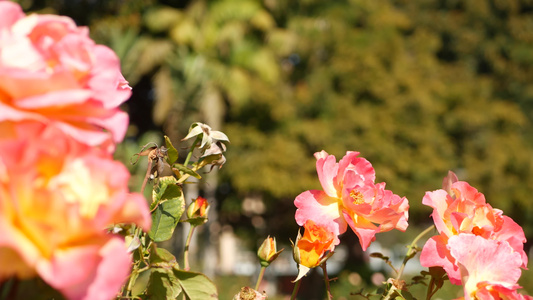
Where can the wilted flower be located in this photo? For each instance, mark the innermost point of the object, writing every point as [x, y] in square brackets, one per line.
[56, 198]
[215, 151]
[267, 252]
[464, 210]
[313, 248]
[248, 293]
[350, 197]
[53, 73]
[208, 135]
[197, 211]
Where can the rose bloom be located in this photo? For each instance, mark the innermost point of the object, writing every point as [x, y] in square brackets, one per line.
[57, 196]
[466, 212]
[53, 73]
[489, 269]
[314, 244]
[350, 197]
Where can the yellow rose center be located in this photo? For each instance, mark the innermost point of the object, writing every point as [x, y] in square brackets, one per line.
[78, 185]
[357, 197]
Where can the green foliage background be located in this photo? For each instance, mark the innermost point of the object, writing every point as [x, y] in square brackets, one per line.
[418, 87]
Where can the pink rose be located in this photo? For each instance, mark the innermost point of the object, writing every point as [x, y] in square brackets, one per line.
[466, 212]
[350, 197]
[53, 73]
[489, 269]
[57, 196]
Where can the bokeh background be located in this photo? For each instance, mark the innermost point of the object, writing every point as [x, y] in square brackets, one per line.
[419, 87]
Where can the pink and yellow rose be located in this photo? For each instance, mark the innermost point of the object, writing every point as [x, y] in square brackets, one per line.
[59, 186]
[489, 269]
[350, 197]
[52, 72]
[57, 196]
[465, 211]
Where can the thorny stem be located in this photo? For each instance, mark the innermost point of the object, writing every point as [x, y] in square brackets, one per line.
[295, 290]
[406, 259]
[186, 251]
[260, 278]
[326, 280]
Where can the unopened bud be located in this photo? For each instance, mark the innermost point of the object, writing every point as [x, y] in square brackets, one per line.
[267, 252]
[197, 211]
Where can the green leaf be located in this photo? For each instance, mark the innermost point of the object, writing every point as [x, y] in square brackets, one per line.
[162, 258]
[172, 152]
[141, 283]
[163, 285]
[196, 285]
[167, 207]
[183, 169]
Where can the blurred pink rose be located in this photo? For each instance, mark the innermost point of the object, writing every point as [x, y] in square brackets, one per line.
[57, 196]
[465, 211]
[489, 269]
[53, 73]
[351, 197]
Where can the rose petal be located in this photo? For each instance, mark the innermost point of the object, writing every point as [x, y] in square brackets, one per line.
[320, 208]
[327, 169]
[436, 254]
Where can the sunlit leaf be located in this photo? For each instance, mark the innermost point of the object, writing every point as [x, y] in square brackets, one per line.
[171, 151]
[162, 258]
[168, 206]
[196, 285]
[163, 285]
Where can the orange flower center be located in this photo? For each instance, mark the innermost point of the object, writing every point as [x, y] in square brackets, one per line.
[477, 231]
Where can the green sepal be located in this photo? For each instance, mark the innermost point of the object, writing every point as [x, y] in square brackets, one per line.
[302, 271]
[196, 221]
